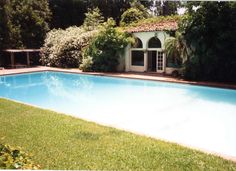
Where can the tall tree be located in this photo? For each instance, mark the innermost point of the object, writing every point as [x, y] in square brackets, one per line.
[24, 23]
[138, 5]
[210, 31]
[2, 25]
[110, 8]
[66, 13]
[135, 13]
[93, 19]
[165, 7]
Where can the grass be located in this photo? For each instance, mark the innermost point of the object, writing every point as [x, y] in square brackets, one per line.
[58, 141]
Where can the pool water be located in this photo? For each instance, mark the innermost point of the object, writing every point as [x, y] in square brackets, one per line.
[196, 116]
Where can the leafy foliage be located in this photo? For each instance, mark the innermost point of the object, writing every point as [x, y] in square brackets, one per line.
[93, 19]
[66, 13]
[23, 23]
[105, 48]
[71, 12]
[166, 8]
[1, 21]
[11, 158]
[130, 16]
[138, 5]
[87, 64]
[134, 14]
[210, 33]
[63, 48]
[176, 49]
[116, 8]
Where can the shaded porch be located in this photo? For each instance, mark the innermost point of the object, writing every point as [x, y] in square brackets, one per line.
[20, 58]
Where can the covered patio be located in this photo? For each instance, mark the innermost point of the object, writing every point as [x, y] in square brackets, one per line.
[27, 52]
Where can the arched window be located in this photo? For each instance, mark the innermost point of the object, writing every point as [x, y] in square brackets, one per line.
[154, 42]
[138, 43]
[137, 54]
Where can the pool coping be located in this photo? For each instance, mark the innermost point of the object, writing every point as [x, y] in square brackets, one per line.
[129, 75]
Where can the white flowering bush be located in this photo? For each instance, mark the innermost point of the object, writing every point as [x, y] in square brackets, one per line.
[63, 48]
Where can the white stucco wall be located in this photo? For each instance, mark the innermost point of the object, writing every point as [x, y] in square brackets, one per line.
[144, 37]
[126, 58]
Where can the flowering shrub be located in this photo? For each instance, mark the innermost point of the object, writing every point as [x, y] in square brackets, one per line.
[15, 159]
[105, 49]
[63, 48]
[87, 63]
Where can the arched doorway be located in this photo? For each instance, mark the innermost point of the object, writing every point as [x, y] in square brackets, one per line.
[155, 56]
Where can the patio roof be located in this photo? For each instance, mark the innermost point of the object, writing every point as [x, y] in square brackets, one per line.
[21, 50]
[13, 51]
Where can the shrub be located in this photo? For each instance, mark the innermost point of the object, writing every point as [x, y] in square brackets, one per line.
[63, 48]
[87, 64]
[106, 47]
[11, 158]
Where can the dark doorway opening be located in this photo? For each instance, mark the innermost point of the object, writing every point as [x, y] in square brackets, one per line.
[152, 61]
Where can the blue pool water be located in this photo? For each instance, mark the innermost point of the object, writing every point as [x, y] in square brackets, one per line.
[197, 116]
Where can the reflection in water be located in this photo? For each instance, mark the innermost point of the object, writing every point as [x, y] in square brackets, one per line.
[198, 116]
[71, 89]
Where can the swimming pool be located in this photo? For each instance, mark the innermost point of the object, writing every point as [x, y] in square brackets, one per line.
[197, 116]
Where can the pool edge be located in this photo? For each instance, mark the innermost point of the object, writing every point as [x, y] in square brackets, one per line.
[127, 75]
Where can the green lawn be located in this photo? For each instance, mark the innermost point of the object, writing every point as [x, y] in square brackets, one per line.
[57, 141]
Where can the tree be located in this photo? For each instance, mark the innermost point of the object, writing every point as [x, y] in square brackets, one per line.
[130, 16]
[210, 32]
[139, 6]
[165, 8]
[134, 14]
[110, 8]
[1, 23]
[93, 19]
[66, 13]
[10, 33]
[24, 23]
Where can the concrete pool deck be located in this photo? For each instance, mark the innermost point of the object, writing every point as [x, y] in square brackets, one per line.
[145, 76]
[132, 75]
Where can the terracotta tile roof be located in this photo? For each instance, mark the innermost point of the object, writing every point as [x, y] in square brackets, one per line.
[157, 26]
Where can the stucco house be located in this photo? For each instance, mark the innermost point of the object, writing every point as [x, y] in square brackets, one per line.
[147, 54]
